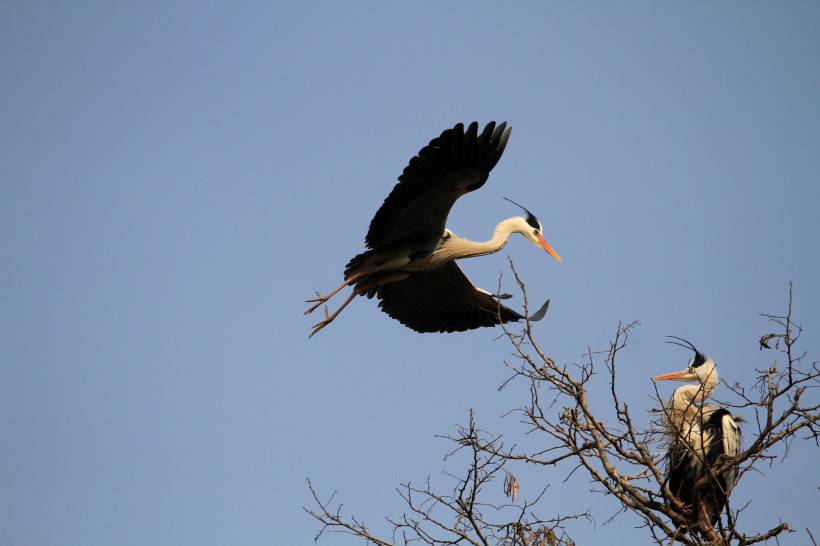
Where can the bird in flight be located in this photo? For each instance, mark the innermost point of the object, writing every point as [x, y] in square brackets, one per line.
[410, 262]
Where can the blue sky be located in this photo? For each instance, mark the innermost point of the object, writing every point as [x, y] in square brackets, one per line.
[176, 180]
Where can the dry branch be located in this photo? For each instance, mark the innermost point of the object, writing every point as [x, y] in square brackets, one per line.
[619, 452]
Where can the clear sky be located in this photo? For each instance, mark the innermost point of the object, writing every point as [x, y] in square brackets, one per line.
[177, 178]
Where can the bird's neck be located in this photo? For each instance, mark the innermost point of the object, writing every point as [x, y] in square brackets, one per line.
[689, 398]
[501, 235]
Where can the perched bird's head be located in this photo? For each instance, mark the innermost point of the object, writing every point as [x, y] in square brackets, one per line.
[701, 368]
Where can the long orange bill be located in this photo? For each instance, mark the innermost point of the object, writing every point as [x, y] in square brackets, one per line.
[546, 246]
[675, 375]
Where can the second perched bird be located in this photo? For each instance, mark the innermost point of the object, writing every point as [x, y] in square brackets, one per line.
[410, 263]
[701, 434]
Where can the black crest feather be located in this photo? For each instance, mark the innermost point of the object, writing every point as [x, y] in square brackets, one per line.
[699, 358]
[531, 219]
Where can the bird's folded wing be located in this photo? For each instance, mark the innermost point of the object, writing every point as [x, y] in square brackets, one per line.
[442, 300]
[454, 163]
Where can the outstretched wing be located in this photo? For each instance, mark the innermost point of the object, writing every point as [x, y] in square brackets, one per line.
[455, 163]
[444, 300]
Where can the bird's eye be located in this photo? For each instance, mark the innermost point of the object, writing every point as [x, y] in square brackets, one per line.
[536, 231]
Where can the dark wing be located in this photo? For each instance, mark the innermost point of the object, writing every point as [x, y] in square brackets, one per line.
[679, 472]
[455, 163]
[725, 439]
[444, 300]
[720, 436]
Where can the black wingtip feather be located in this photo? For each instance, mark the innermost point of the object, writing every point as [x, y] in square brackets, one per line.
[538, 315]
[505, 136]
[499, 131]
[487, 133]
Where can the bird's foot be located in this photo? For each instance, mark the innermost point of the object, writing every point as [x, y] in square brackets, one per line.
[317, 302]
[322, 323]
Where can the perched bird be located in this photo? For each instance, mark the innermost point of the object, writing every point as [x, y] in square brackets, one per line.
[410, 263]
[700, 436]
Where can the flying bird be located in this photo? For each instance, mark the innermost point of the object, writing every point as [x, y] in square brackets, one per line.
[409, 265]
[701, 434]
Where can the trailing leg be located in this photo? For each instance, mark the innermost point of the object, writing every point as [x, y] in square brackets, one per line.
[329, 318]
[320, 299]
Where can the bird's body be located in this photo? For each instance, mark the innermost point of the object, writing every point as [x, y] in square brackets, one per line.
[714, 433]
[449, 247]
[701, 436]
[409, 265]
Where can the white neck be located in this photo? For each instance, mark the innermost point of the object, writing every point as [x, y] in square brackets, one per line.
[463, 248]
[688, 399]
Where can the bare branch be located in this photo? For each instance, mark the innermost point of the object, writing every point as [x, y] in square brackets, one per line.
[621, 453]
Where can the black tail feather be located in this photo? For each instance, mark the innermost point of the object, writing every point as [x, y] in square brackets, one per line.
[355, 262]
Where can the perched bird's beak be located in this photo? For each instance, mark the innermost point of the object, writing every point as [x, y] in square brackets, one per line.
[546, 246]
[683, 375]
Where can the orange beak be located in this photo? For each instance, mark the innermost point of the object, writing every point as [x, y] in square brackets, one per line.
[546, 246]
[676, 375]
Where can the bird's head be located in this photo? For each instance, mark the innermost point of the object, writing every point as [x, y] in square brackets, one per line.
[530, 227]
[701, 368]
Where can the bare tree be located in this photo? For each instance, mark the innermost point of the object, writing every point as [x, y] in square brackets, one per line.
[458, 516]
[624, 457]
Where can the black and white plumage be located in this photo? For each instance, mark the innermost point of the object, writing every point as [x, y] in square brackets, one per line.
[409, 265]
[701, 437]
